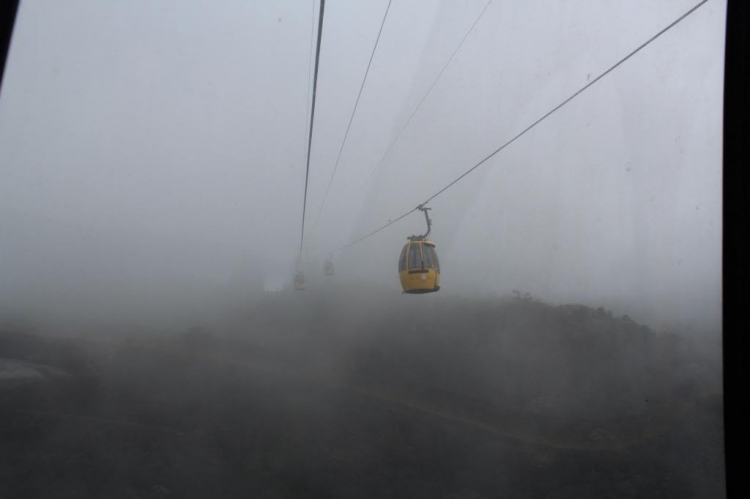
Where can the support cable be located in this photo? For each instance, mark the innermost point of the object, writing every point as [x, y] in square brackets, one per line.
[312, 121]
[548, 114]
[354, 111]
[429, 90]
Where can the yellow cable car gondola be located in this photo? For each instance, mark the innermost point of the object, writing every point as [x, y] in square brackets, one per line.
[328, 267]
[299, 281]
[418, 266]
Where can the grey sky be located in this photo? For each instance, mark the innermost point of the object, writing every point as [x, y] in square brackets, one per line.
[179, 127]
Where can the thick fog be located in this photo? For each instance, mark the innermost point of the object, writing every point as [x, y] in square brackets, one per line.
[153, 154]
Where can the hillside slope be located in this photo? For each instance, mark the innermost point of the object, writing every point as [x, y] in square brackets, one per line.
[366, 394]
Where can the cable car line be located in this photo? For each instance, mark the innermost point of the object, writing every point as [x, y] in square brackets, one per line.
[354, 111]
[566, 101]
[390, 222]
[309, 66]
[309, 77]
[429, 90]
[312, 121]
[523, 132]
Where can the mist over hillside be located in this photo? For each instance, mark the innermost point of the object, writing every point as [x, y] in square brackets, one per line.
[68, 276]
[359, 392]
